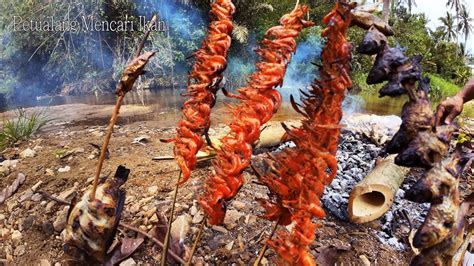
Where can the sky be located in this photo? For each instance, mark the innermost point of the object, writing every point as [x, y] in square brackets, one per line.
[437, 9]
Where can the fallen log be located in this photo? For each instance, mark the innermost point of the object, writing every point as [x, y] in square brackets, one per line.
[373, 196]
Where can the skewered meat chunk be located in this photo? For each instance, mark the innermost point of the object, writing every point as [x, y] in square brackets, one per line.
[407, 73]
[439, 221]
[438, 181]
[203, 84]
[427, 148]
[387, 60]
[442, 253]
[417, 115]
[297, 176]
[374, 41]
[91, 225]
[367, 20]
[258, 102]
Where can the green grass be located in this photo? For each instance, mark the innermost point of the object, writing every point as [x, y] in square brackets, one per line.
[360, 83]
[441, 88]
[22, 127]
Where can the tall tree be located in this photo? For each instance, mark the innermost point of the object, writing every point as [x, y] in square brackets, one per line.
[448, 27]
[456, 5]
[465, 23]
[386, 10]
[408, 3]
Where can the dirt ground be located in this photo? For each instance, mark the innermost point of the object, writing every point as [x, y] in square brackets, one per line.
[31, 225]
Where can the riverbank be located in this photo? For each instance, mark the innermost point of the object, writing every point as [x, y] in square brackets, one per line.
[61, 162]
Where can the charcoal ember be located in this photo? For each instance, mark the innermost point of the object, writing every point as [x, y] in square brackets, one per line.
[409, 72]
[373, 42]
[386, 62]
[438, 181]
[417, 115]
[427, 148]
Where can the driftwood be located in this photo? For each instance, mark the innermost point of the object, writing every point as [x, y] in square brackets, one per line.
[8, 191]
[372, 197]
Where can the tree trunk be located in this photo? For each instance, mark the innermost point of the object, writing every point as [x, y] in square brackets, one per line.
[386, 10]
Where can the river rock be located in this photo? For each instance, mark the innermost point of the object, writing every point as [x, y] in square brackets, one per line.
[66, 195]
[64, 169]
[128, 262]
[36, 197]
[44, 262]
[48, 228]
[60, 223]
[20, 250]
[239, 205]
[198, 217]
[28, 153]
[231, 219]
[27, 222]
[180, 227]
[16, 237]
[152, 190]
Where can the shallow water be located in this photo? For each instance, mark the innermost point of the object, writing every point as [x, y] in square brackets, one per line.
[169, 101]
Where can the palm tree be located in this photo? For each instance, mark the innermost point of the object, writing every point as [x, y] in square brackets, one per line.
[448, 27]
[408, 3]
[465, 23]
[456, 4]
[386, 10]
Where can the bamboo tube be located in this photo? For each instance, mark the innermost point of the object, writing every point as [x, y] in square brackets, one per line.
[272, 136]
[373, 196]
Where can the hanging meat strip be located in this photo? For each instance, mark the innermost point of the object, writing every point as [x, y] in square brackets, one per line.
[259, 101]
[297, 176]
[203, 85]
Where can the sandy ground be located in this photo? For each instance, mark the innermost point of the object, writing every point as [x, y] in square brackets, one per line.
[31, 225]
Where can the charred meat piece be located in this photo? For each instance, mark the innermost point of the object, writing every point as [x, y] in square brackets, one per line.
[409, 72]
[91, 225]
[440, 221]
[366, 20]
[438, 181]
[417, 116]
[428, 148]
[374, 41]
[442, 253]
[388, 59]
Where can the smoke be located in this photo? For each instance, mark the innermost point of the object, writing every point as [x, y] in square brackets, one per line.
[181, 20]
[303, 70]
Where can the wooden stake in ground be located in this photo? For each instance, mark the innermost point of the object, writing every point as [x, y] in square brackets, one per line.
[170, 222]
[265, 246]
[196, 242]
[133, 70]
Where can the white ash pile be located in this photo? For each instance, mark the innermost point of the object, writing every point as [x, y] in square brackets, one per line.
[356, 158]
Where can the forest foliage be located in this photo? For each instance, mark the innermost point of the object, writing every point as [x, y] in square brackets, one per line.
[36, 63]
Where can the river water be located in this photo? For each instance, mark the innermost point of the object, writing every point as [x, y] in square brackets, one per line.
[169, 101]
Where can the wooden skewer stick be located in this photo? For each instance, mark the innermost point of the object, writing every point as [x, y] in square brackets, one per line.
[170, 221]
[196, 242]
[265, 246]
[114, 118]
